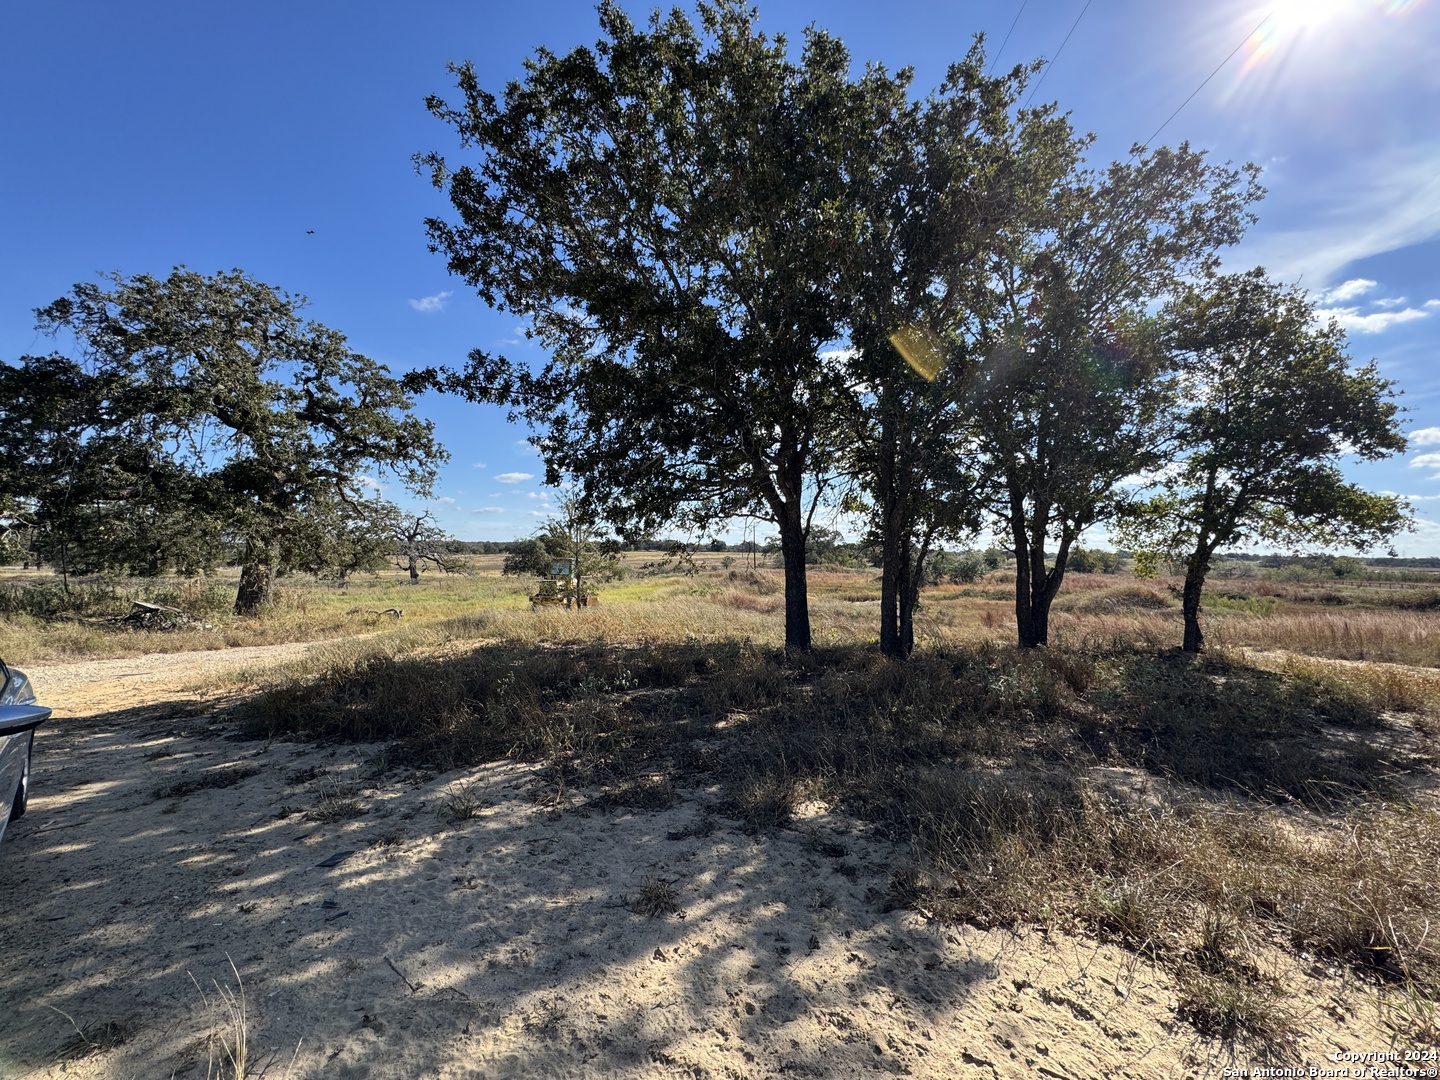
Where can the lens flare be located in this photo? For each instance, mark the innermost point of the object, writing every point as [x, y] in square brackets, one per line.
[1304, 38]
[920, 349]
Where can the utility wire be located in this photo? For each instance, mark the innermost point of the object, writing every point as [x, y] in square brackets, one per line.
[996, 58]
[1058, 52]
[1146, 144]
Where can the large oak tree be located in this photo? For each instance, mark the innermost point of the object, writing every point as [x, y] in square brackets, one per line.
[667, 209]
[219, 383]
[1074, 392]
[1275, 405]
[942, 182]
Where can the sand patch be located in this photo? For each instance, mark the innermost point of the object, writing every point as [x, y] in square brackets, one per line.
[402, 939]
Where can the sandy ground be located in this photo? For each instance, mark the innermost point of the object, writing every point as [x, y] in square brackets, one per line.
[399, 943]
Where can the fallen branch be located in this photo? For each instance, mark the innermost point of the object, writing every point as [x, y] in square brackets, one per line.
[414, 987]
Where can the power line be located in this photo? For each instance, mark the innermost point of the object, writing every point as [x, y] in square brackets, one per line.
[1058, 52]
[995, 59]
[1146, 144]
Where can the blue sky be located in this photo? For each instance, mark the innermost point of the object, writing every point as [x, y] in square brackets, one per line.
[134, 137]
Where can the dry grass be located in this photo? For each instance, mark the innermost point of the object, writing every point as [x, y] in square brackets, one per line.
[1277, 822]
[1282, 807]
[209, 779]
[1392, 636]
[227, 1048]
[656, 897]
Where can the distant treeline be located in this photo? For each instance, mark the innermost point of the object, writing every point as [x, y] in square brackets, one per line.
[509, 547]
[1275, 561]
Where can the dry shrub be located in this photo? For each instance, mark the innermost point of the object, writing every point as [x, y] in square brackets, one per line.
[208, 779]
[1121, 598]
[759, 582]
[1228, 1004]
[1383, 688]
[639, 793]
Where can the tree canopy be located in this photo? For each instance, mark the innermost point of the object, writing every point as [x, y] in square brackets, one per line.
[1075, 392]
[207, 400]
[667, 208]
[1276, 405]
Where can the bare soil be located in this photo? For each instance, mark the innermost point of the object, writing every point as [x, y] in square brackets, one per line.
[508, 942]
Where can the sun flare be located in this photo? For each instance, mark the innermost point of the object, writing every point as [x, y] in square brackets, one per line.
[1293, 16]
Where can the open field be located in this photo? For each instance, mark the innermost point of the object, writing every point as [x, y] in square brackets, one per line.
[1395, 622]
[639, 840]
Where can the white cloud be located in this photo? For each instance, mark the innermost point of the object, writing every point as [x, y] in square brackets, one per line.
[536, 513]
[1427, 461]
[533, 495]
[430, 305]
[513, 477]
[1347, 290]
[478, 465]
[446, 499]
[1377, 204]
[489, 510]
[1376, 322]
[1432, 303]
[368, 482]
[1425, 436]
[1389, 302]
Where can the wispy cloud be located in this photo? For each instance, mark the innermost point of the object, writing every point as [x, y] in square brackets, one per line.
[478, 465]
[446, 499]
[368, 482]
[1376, 204]
[1346, 290]
[1377, 322]
[431, 305]
[513, 477]
[489, 510]
[536, 513]
[1425, 436]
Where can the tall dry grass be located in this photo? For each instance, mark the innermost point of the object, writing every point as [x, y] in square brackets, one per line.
[1391, 636]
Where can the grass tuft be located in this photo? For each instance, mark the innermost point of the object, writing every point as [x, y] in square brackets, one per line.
[222, 777]
[656, 897]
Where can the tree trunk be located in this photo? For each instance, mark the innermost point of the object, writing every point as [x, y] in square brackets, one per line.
[414, 567]
[892, 553]
[257, 580]
[1028, 635]
[579, 582]
[910, 586]
[893, 561]
[1196, 567]
[909, 597]
[1035, 584]
[792, 551]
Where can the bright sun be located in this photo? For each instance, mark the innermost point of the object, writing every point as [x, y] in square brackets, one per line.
[1292, 16]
